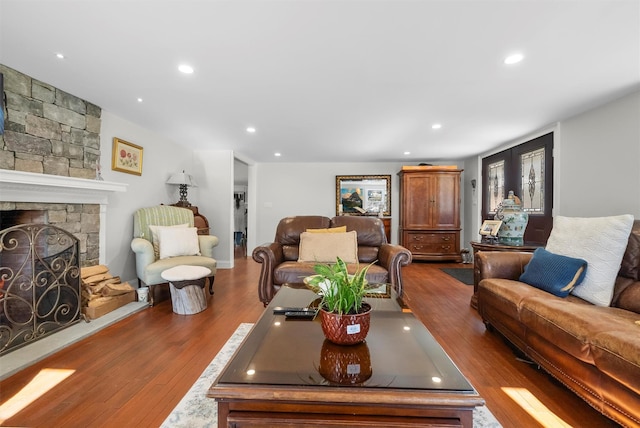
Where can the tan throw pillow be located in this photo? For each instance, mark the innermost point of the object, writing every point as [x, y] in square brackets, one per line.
[339, 229]
[326, 247]
[155, 237]
[179, 241]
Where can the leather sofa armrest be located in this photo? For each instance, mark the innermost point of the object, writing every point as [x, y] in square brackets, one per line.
[269, 255]
[392, 258]
[501, 264]
[207, 242]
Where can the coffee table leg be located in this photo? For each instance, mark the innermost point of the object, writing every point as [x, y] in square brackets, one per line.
[223, 413]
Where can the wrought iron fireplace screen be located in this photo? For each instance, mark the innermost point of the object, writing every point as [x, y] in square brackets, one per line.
[39, 283]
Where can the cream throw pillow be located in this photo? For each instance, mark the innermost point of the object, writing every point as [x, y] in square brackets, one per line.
[326, 247]
[155, 237]
[179, 241]
[601, 241]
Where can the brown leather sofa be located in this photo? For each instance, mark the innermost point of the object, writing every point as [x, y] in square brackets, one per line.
[280, 258]
[593, 350]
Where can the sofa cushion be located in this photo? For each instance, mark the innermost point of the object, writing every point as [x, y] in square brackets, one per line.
[155, 269]
[572, 323]
[554, 273]
[506, 294]
[178, 241]
[601, 241]
[617, 353]
[326, 247]
[294, 272]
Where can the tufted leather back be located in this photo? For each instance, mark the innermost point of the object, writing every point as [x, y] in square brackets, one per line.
[370, 231]
[626, 294]
[630, 267]
[289, 230]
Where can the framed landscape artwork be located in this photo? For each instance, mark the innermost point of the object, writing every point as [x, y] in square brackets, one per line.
[127, 157]
[363, 195]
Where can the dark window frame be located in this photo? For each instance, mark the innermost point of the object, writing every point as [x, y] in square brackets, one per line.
[540, 224]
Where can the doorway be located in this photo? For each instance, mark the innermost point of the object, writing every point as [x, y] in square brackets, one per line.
[240, 208]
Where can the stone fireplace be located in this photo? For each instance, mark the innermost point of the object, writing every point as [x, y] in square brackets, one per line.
[41, 293]
[49, 194]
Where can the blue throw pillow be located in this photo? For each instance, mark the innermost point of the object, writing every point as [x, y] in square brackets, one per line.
[554, 273]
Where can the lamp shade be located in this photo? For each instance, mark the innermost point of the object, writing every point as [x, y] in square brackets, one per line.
[182, 178]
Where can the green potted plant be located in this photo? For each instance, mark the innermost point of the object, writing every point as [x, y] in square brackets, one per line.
[344, 316]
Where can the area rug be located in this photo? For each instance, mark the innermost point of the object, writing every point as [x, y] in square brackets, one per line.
[195, 410]
[464, 275]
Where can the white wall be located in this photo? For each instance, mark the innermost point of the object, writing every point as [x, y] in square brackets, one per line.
[287, 189]
[213, 170]
[472, 201]
[597, 161]
[161, 158]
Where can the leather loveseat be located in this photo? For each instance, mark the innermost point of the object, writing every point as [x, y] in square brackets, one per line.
[593, 350]
[280, 263]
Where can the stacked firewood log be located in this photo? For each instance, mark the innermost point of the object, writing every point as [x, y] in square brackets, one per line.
[100, 287]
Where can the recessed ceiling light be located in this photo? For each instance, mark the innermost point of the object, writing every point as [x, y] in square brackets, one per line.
[186, 69]
[513, 59]
[139, 100]
[277, 155]
[60, 56]
[407, 153]
[251, 130]
[436, 126]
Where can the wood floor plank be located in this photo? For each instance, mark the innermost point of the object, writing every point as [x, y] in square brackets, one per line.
[135, 372]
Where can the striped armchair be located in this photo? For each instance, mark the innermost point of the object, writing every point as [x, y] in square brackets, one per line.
[148, 264]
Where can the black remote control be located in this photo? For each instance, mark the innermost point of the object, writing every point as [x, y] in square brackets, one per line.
[279, 310]
[308, 314]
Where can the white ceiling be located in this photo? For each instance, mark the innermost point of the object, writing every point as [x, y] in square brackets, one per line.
[332, 80]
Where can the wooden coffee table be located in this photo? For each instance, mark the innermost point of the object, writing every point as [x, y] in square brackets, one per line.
[286, 374]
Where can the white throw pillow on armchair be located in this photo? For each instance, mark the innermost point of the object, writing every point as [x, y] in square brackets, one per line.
[601, 241]
[155, 236]
[179, 241]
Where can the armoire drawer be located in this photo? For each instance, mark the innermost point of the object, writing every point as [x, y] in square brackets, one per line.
[433, 245]
[430, 238]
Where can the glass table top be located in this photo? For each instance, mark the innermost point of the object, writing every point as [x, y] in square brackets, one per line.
[399, 352]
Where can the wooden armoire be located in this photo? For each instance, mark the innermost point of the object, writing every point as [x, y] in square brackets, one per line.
[430, 212]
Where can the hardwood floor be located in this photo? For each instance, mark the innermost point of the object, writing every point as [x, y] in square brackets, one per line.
[135, 372]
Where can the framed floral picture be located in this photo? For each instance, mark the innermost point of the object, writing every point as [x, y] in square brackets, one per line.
[127, 157]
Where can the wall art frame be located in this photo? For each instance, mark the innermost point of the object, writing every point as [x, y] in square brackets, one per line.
[363, 195]
[126, 157]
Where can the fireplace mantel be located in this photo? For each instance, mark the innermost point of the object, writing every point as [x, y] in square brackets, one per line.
[20, 186]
